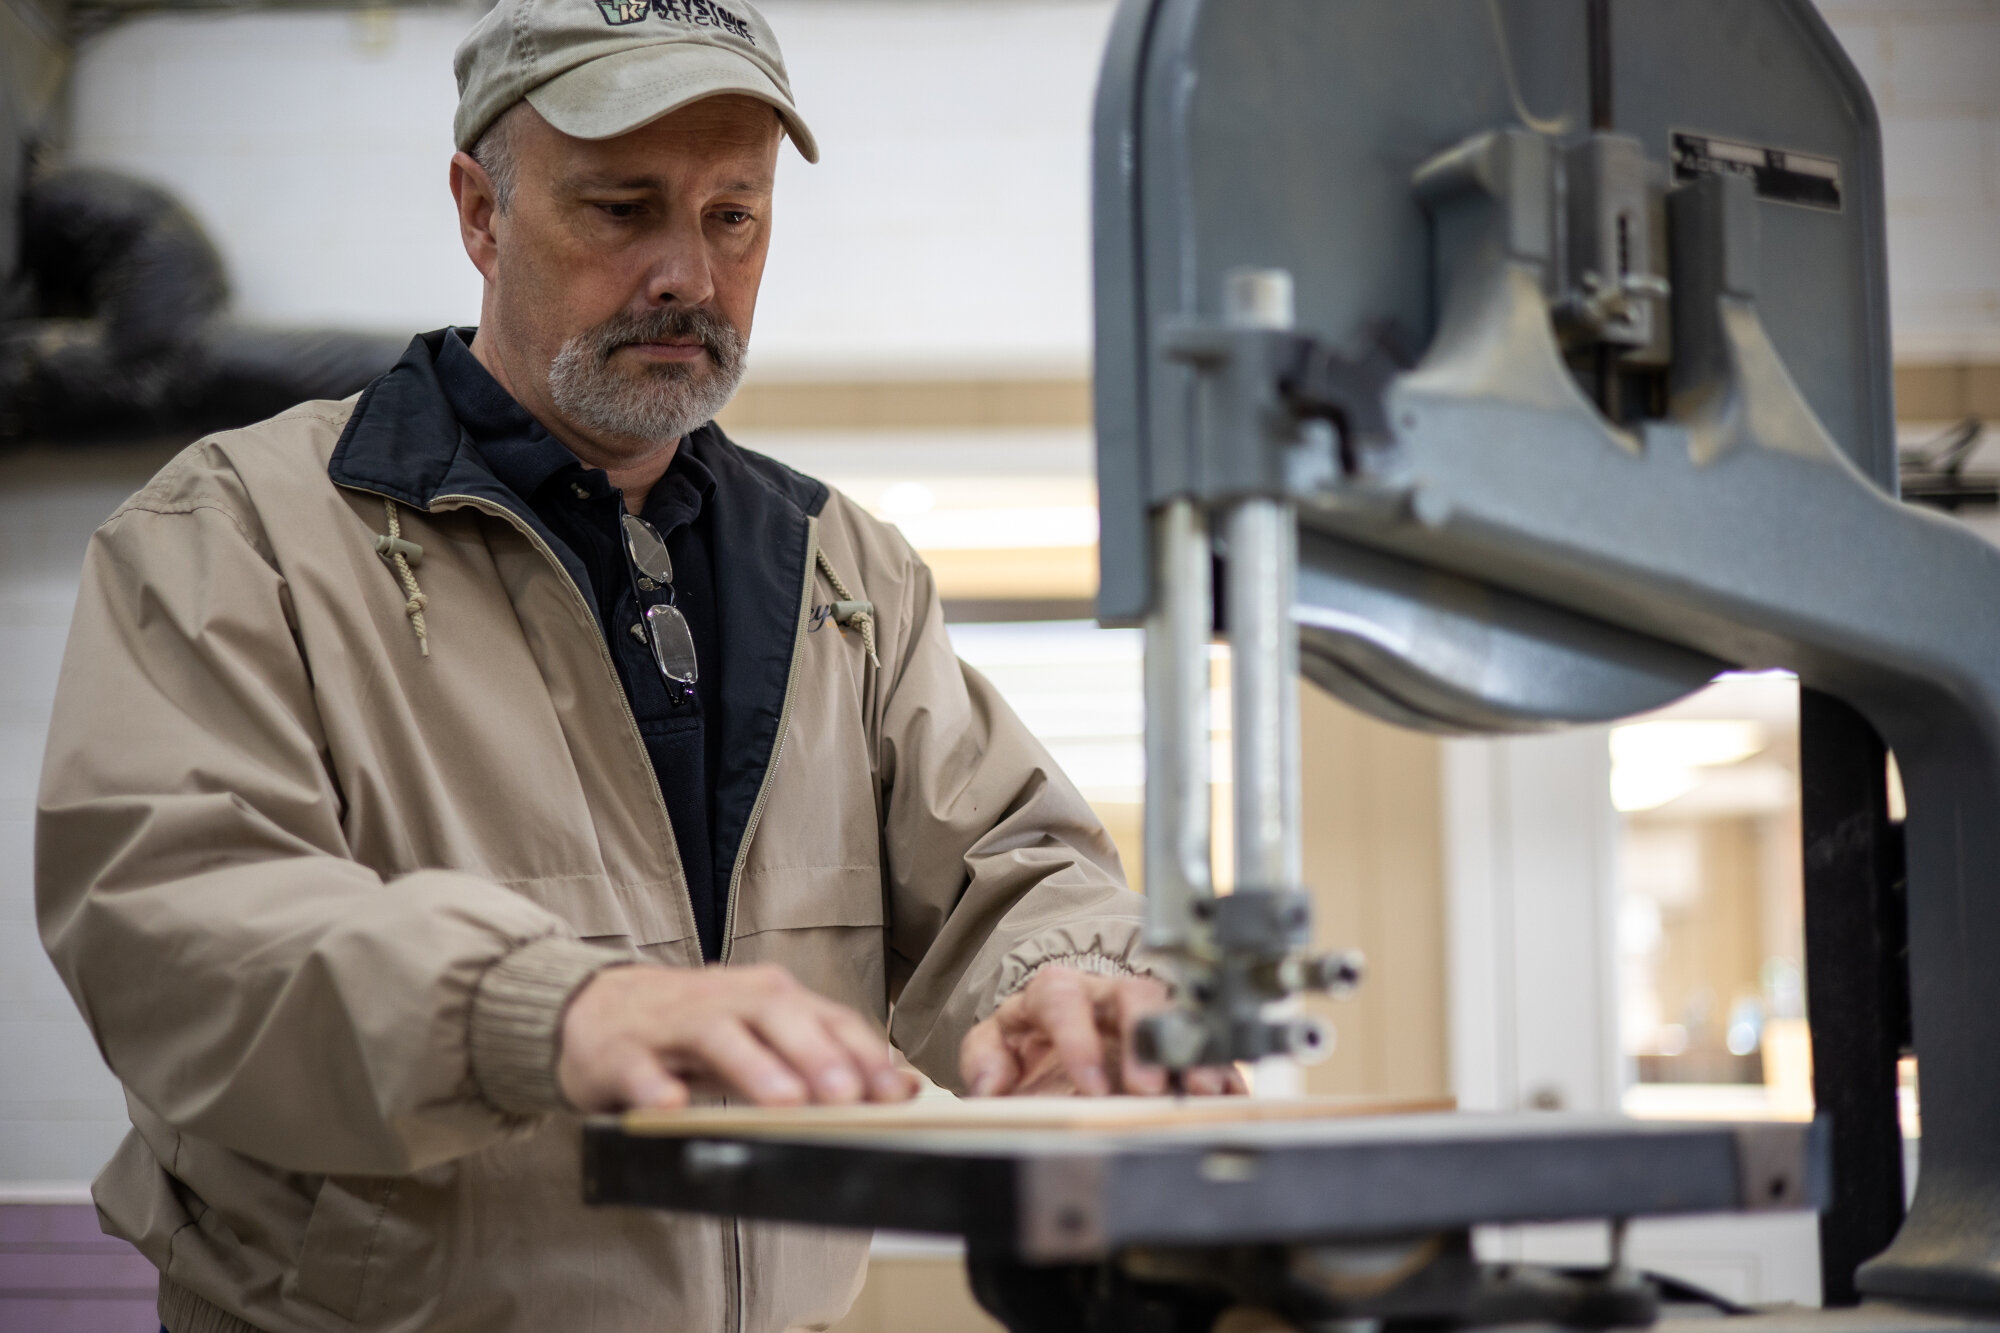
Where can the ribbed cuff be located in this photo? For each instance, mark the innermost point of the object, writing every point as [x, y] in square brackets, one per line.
[184, 1312]
[1098, 964]
[516, 1026]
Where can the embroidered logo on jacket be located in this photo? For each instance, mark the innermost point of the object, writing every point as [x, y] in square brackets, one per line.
[695, 13]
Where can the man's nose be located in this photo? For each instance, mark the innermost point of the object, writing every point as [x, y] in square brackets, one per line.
[680, 274]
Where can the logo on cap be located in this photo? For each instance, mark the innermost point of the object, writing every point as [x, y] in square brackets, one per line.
[695, 13]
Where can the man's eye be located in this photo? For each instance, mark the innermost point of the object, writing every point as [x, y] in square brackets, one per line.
[622, 210]
[733, 217]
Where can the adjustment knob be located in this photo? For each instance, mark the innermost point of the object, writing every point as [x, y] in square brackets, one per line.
[1335, 974]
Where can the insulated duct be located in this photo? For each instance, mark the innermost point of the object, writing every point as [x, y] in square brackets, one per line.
[126, 328]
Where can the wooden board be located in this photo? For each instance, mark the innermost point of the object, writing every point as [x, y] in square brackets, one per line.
[1015, 1113]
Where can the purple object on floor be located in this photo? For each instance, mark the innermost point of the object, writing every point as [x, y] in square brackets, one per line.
[60, 1274]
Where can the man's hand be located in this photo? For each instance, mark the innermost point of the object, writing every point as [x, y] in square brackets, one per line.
[1071, 1032]
[646, 1036]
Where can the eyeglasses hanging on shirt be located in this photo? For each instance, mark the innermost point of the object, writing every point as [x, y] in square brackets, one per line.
[666, 628]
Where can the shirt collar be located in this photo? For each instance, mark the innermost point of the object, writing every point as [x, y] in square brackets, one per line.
[521, 453]
[687, 486]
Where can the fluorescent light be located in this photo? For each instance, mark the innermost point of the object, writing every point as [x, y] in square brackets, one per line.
[1010, 529]
[1637, 787]
[1653, 763]
[1686, 742]
[906, 499]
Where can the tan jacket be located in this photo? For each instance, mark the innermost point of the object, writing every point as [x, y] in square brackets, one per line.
[322, 897]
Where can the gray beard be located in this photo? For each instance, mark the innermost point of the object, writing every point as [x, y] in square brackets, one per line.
[649, 403]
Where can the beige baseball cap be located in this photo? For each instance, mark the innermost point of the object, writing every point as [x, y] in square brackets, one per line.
[595, 69]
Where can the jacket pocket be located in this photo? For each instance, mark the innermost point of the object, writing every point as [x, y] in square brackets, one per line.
[339, 1246]
[599, 909]
[808, 896]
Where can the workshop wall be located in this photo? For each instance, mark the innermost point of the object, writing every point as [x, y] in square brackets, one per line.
[1930, 65]
[946, 227]
[61, 1111]
[1374, 860]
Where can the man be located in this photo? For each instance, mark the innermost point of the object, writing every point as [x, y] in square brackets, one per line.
[414, 753]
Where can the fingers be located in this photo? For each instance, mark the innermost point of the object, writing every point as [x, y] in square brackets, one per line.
[869, 1049]
[842, 1056]
[733, 1055]
[1063, 1009]
[646, 1035]
[1133, 999]
[1216, 1081]
[644, 1086]
[986, 1063]
[1065, 1031]
[800, 1034]
[799, 1039]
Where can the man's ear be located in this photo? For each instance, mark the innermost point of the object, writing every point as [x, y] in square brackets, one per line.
[478, 210]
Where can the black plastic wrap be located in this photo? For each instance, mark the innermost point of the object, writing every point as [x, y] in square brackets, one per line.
[128, 332]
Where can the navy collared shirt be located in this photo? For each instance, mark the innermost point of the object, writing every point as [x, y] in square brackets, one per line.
[580, 512]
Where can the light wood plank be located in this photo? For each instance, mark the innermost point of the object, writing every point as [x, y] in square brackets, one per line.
[1013, 1113]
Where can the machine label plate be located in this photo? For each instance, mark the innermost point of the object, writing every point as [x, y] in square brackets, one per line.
[1787, 177]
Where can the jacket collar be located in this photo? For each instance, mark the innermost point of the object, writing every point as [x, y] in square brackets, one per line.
[403, 442]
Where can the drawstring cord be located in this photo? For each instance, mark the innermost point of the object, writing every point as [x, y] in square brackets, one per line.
[848, 612]
[403, 554]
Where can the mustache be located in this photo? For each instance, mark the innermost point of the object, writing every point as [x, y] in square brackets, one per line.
[717, 336]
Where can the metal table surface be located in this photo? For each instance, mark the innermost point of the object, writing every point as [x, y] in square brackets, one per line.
[1062, 1195]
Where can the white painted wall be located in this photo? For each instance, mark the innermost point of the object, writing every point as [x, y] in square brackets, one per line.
[1931, 65]
[1531, 901]
[61, 1111]
[946, 227]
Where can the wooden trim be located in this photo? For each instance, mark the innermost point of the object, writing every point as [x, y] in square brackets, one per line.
[986, 610]
[1943, 392]
[1948, 392]
[944, 404]
[1035, 573]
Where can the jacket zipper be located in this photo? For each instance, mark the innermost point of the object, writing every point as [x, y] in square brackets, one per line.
[610, 668]
[742, 858]
[731, 1227]
[734, 1317]
[777, 747]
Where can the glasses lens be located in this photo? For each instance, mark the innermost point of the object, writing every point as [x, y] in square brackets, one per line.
[648, 551]
[673, 646]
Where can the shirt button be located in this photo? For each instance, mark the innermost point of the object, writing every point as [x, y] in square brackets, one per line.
[579, 490]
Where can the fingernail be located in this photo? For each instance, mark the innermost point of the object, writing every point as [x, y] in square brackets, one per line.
[984, 1083]
[779, 1089]
[889, 1086]
[1093, 1082]
[839, 1085]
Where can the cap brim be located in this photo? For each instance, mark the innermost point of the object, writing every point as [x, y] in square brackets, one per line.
[616, 94]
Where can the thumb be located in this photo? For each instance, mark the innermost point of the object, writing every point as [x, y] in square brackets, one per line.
[985, 1064]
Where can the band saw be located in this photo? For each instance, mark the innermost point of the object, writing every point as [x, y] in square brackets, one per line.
[1498, 367]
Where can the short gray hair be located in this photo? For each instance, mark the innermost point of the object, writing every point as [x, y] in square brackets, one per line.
[494, 152]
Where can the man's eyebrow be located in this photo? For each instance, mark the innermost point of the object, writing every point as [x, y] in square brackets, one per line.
[591, 181]
[588, 181]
